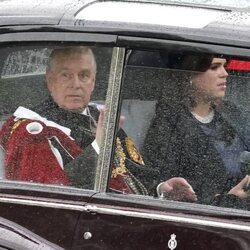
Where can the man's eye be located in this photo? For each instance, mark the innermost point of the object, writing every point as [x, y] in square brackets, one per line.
[66, 75]
[84, 76]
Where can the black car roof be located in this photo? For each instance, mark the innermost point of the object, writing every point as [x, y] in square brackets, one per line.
[21, 12]
[227, 25]
[30, 8]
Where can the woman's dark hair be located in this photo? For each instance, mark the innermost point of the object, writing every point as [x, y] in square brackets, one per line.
[182, 68]
[169, 60]
[187, 61]
[190, 65]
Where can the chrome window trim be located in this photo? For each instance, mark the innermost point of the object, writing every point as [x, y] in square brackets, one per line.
[37, 203]
[239, 49]
[65, 36]
[13, 186]
[111, 105]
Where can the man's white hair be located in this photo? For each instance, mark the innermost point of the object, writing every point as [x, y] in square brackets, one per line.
[67, 51]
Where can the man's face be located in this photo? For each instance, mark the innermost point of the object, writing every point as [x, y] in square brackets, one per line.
[71, 81]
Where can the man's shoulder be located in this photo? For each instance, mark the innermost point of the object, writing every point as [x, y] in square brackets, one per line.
[233, 115]
[44, 106]
[230, 110]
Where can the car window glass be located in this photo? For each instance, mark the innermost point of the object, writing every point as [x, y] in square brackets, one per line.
[187, 115]
[24, 62]
[49, 107]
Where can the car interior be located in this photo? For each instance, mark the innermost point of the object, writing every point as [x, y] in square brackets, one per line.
[147, 80]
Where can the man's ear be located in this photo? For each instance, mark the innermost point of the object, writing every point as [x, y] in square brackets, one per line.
[93, 85]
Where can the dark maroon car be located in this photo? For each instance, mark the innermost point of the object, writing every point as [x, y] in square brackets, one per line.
[140, 49]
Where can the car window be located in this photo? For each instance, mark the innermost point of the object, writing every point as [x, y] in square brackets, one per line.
[50, 101]
[187, 119]
[25, 62]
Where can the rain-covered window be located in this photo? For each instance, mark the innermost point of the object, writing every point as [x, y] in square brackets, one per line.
[50, 99]
[25, 62]
[187, 121]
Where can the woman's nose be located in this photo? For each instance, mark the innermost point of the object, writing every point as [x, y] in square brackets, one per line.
[223, 72]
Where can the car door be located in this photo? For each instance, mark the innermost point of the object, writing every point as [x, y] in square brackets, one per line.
[35, 214]
[130, 221]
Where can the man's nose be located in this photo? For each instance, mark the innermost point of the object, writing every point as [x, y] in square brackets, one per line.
[75, 82]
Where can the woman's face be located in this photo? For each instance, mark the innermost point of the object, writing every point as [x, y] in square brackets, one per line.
[211, 84]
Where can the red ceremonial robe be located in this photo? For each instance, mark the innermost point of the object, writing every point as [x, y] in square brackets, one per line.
[29, 153]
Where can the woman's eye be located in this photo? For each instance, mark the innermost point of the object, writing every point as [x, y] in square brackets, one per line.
[214, 67]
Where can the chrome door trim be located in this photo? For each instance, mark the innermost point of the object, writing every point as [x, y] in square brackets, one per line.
[93, 209]
[169, 218]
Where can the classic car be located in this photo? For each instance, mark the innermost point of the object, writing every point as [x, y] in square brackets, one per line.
[139, 46]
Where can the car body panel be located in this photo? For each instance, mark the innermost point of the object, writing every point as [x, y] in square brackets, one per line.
[150, 226]
[51, 215]
[13, 236]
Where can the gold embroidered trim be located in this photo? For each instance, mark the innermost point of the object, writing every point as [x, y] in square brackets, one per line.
[135, 184]
[16, 125]
[133, 152]
[120, 169]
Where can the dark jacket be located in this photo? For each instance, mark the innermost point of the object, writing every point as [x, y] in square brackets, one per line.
[82, 169]
[178, 147]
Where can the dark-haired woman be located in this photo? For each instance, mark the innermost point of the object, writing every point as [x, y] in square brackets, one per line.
[198, 143]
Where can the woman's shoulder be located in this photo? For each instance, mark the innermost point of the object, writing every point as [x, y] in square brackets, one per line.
[233, 114]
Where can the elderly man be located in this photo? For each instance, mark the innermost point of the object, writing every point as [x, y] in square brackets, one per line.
[57, 142]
